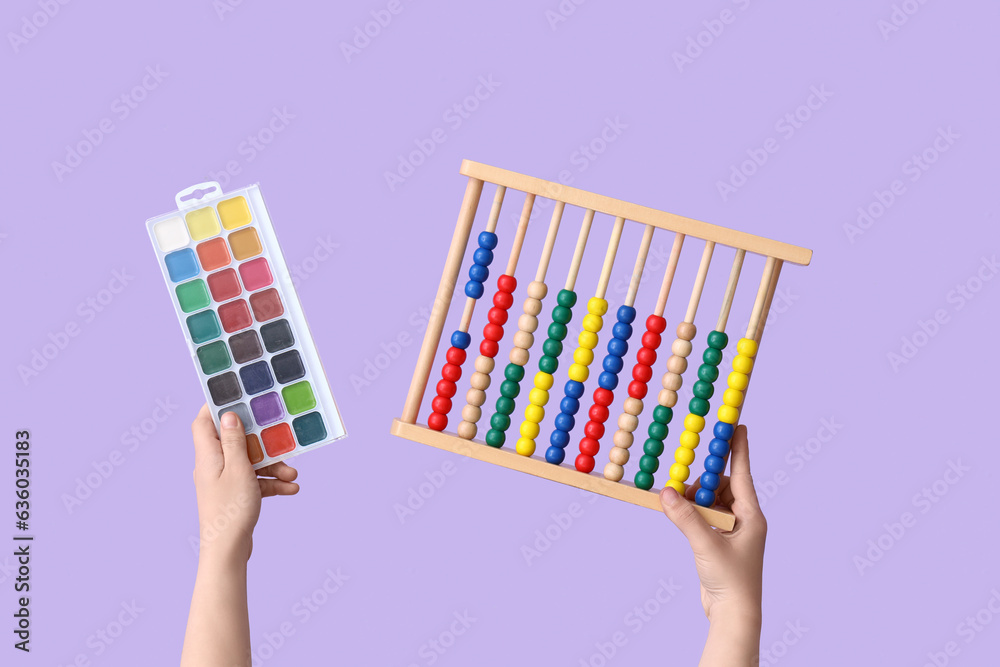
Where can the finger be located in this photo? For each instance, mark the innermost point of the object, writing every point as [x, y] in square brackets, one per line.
[280, 470]
[740, 480]
[207, 448]
[686, 518]
[234, 443]
[276, 487]
[692, 489]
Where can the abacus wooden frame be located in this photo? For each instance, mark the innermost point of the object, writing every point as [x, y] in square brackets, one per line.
[479, 174]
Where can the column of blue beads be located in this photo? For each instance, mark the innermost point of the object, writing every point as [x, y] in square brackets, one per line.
[715, 463]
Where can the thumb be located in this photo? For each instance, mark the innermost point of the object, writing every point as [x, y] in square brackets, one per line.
[683, 515]
[234, 442]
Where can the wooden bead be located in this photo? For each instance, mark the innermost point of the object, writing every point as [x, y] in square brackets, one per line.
[524, 340]
[532, 306]
[627, 422]
[633, 406]
[527, 323]
[480, 381]
[746, 347]
[519, 356]
[614, 472]
[686, 330]
[672, 381]
[537, 290]
[684, 456]
[677, 364]
[466, 430]
[472, 413]
[742, 364]
[475, 397]
[667, 398]
[485, 364]
[681, 347]
[623, 439]
[733, 398]
[618, 456]
[738, 380]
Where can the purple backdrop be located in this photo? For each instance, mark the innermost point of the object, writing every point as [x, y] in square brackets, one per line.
[867, 411]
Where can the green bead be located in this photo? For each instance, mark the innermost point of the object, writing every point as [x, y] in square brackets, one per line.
[712, 356]
[718, 340]
[513, 372]
[663, 414]
[548, 364]
[551, 347]
[708, 373]
[652, 447]
[495, 438]
[557, 331]
[643, 480]
[509, 389]
[500, 422]
[703, 389]
[649, 464]
[562, 315]
[566, 298]
[657, 430]
[698, 406]
[505, 405]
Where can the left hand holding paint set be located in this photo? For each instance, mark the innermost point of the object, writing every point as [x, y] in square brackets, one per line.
[243, 323]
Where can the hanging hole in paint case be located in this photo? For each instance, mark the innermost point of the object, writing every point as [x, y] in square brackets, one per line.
[189, 195]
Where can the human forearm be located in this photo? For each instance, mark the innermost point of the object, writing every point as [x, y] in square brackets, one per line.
[218, 630]
[733, 638]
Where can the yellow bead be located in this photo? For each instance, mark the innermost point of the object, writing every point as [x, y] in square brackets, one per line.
[538, 396]
[728, 414]
[534, 413]
[579, 373]
[543, 380]
[529, 430]
[689, 440]
[684, 456]
[592, 323]
[597, 306]
[588, 339]
[679, 472]
[746, 347]
[583, 356]
[733, 398]
[525, 446]
[695, 423]
[738, 380]
[676, 486]
[742, 364]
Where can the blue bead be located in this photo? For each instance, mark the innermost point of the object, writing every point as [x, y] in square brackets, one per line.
[478, 273]
[710, 481]
[626, 314]
[555, 455]
[617, 347]
[714, 463]
[487, 240]
[613, 364]
[718, 447]
[704, 497]
[574, 388]
[607, 381]
[569, 405]
[460, 339]
[724, 431]
[482, 256]
[621, 331]
[564, 422]
[474, 289]
[559, 439]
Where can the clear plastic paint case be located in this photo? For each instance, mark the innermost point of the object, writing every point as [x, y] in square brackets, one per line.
[243, 322]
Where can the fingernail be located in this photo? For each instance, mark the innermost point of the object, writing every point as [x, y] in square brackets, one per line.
[669, 496]
[230, 420]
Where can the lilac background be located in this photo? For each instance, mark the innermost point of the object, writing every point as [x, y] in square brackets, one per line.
[824, 356]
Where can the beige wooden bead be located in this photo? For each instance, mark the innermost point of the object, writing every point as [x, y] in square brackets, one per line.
[527, 323]
[672, 381]
[475, 397]
[532, 306]
[681, 347]
[467, 430]
[677, 364]
[485, 364]
[480, 381]
[623, 439]
[667, 398]
[627, 422]
[537, 289]
[686, 330]
[614, 472]
[519, 356]
[472, 413]
[618, 456]
[524, 340]
[633, 406]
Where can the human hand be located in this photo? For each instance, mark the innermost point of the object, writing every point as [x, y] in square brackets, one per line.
[228, 490]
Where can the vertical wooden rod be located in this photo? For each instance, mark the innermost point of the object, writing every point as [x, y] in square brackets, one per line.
[699, 282]
[609, 257]
[727, 300]
[640, 265]
[581, 245]
[550, 242]
[668, 276]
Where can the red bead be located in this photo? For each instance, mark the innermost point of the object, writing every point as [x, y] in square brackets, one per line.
[592, 430]
[451, 372]
[584, 463]
[598, 413]
[646, 356]
[642, 373]
[492, 331]
[651, 340]
[441, 404]
[603, 396]
[503, 300]
[497, 316]
[437, 421]
[489, 348]
[656, 324]
[637, 389]
[455, 355]
[446, 388]
[506, 283]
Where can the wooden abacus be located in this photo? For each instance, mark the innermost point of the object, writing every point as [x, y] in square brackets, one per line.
[521, 457]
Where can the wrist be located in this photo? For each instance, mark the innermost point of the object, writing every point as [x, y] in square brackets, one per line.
[737, 614]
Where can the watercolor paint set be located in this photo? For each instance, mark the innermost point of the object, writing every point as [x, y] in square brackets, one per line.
[243, 323]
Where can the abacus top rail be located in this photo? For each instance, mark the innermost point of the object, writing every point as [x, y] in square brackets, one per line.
[642, 214]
